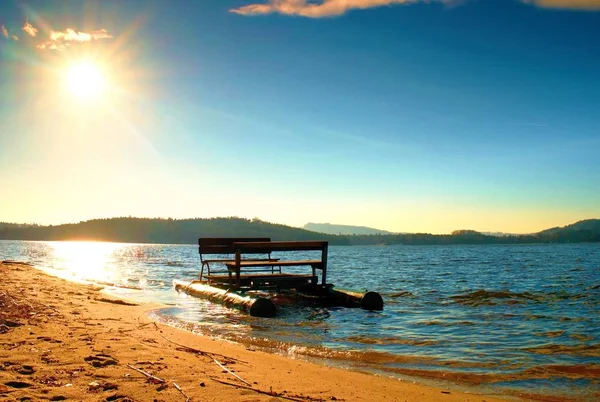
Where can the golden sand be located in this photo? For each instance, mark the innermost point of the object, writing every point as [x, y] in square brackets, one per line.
[66, 341]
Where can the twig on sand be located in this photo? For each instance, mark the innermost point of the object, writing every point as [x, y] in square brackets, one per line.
[231, 372]
[259, 391]
[202, 352]
[146, 374]
[187, 398]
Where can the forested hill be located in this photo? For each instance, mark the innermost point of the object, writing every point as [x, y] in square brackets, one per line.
[169, 231]
[331, 228]
[588, 225]
[173, 231]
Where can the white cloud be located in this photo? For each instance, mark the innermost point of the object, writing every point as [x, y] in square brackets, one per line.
[30, 29]
[69, 35]
[318, 9]
[101, 34]
[567, 4]
[60, 40]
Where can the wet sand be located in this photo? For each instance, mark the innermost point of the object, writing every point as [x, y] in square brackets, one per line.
[66, 341]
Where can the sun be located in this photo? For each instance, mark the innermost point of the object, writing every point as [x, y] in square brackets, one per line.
[84, 80]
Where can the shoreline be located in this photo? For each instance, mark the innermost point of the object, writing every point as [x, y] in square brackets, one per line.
[63, 340]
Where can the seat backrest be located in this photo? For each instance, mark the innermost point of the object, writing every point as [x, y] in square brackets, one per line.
[224, 245]
[267, 247]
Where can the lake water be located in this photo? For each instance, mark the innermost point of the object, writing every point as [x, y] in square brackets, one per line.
[516, 319]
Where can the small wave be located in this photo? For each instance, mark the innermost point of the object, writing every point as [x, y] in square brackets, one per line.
[12, 262]
[175, 264]
[572, 372]
[573, 350]
[404, 293]
[483, 297]
[168, 263]
[369, 340]
[581, 337]
[118, 285]
[490, 298]
[444, 323]
[550, 334]
[577, 371]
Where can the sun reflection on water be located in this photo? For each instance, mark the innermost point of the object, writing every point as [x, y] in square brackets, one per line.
[86, 260]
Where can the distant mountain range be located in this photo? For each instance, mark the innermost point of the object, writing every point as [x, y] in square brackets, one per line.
[333, 229]
[187, 231]
[330, 228]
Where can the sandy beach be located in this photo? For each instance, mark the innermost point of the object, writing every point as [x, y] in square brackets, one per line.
[66, 341]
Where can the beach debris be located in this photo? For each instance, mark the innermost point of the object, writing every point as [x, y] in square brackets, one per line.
[48, 339]
[95, 386]
[202, 352]
[231, 372]
[12, 262]
[115, 301]
[50, 381]
[297, 398]
[17, 311]
[148, 375]
[151, 363]
[187, 398]
[47, 358]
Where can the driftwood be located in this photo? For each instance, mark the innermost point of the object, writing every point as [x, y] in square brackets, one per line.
[270, 393]
[202, 352]
[231, 372]
[187, 398]
[146, 374]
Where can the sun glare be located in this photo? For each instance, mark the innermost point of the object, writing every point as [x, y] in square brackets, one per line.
[84, 80]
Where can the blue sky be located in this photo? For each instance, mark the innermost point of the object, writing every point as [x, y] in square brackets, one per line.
[411, 116]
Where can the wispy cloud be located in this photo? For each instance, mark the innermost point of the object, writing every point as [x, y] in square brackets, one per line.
[320, 8]
[567, 4]
[7, 34]
[56, 40]
[332, 8]
[30, 29]
[60, 40]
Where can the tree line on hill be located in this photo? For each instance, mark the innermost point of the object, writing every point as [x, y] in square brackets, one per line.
[187, 231]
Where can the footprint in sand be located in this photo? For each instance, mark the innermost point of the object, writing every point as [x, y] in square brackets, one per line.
[25, 370]
[101, 360]
[120, 398]
[18, 384]
[48, 339]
